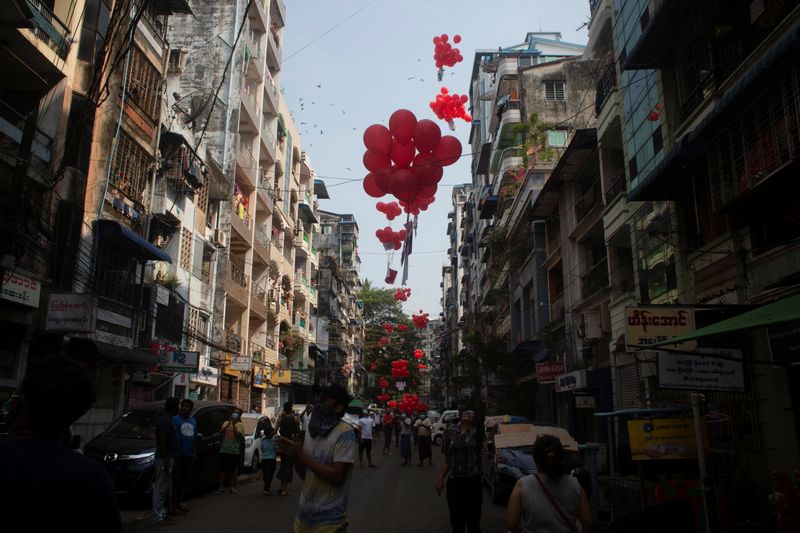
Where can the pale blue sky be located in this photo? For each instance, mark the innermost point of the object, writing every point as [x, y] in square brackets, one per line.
[363, 66]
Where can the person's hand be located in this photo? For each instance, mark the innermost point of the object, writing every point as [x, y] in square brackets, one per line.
[439, 485]
[289, 447]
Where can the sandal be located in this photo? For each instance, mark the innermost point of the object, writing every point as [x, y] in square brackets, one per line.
[234, 491]
[219, 491]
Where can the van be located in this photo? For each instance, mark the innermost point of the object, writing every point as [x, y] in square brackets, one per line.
[127, 448]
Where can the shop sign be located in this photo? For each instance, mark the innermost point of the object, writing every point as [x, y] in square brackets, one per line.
[207, 375]
[584, 402]
[281, 376]
[178, 361]
[662, 438]
[70, 312]
[547, 372]
[694, 372]
[20, 289]
[259, 376]
[571, 381]
[645, 325]
[241, 363]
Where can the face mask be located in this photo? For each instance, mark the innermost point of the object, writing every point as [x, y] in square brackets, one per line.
[323, 419]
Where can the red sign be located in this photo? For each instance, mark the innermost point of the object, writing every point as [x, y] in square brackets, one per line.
[547, 372]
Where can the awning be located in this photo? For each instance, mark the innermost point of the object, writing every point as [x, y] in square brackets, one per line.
[320, 190]
[536, 350]
[123, 237]
[81, 348]
[307, 213]
[786, 310]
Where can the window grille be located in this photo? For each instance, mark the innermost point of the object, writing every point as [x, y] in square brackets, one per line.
[175, 63]
[186, 249]
[554, 91]
[143, 83]
[130, 169]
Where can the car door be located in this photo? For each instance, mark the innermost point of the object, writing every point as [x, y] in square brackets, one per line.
[209, 423]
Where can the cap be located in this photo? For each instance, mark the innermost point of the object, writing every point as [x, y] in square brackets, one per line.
[338, 393]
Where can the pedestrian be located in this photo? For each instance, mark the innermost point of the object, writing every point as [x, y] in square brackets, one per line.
[388, 429]
[186, 427]
[229, 452]
[397, 430]
[166, 453]
[548, 500]
[424, 449]
[268, 459]
[365, 424]
[305, 417]
[288, 428]
[405, 439]
[414, 418]
[325, 463]
[462, 470]
[46, 486]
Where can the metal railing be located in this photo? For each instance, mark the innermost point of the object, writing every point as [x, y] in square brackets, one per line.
[263, 238]
[270, 342]
[618, 186]
[234, 342]
[588, 201]
[259, 293]
[238, 277]
[49, 28]
[605, 85]
[258, 352]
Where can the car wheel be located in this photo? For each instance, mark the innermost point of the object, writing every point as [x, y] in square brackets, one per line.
[437, 441]
[254, 462]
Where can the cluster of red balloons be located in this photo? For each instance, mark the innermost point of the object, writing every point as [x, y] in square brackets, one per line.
[384, 397]
[400, 369]
[421, 320]
[421, 366]
[401, 295]
[383, 341]
[401, 327]
[383, 383]
[410, 403]
[406, 159]
[444, 53]
[419, 354]
[391, 239]
[391, 209]
[450, 106]
[388, 328]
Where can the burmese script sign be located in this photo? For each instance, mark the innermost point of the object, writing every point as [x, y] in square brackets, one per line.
[20, 289]
[694, 372]
[662, 438]
[70, 312]
[548, 372]
[645, 325]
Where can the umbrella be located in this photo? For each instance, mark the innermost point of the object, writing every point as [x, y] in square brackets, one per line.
[357, 404]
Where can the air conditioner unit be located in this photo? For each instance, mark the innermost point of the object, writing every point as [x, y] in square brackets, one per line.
[220, 239]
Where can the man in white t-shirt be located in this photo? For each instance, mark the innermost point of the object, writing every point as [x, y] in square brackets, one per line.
[305, 418]
[423, 426]
[365, 424]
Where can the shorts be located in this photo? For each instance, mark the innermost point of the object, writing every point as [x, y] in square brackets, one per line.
[365, 444]
[229, 463]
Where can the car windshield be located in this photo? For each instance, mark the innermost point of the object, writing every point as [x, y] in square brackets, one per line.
[135, 424]
[250, 424]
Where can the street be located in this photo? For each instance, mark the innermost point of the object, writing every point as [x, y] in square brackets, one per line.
[389, 498]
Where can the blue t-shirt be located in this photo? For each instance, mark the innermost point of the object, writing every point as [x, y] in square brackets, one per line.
[187, 431]
[267, 448]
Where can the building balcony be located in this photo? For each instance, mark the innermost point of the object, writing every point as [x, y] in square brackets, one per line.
[246, 167]
[606, 85]
[259, 17]
[274, 51]
[588, 212]
[262, 245]
[46, 28]
[268, 144]
[302, 240]
[265, 193]
[273, 308]
[277, 12]
[255, 59]
[505, 133]
[258, 301]
[507, 67]
[618, 187]
[487, 203]
[234, 342]
[258, 352]
[41, 146]
[242, 224]
[236, 285]
[271, 96]
[249, 120]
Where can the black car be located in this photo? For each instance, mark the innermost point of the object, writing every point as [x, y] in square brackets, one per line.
[127, 448]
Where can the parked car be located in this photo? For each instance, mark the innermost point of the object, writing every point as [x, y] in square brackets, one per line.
[127, 448]
[508, 455]
[252, 440]
[447, 419]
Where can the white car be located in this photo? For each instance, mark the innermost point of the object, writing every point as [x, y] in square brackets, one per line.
[447, 418]
[252, 441]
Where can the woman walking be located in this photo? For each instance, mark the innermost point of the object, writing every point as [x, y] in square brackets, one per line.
[268, 460]
[548, 500]
[288, 428]
[405, 439]
[463, 465]
[388, 429]
[229, 452]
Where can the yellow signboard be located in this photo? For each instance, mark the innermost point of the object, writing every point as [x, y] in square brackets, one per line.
[280, 377]
[260, 376]
[649, 324]
[662, 438]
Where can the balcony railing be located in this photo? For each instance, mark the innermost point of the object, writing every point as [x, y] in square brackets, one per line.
[618, 186]
[234, 342]
[263, 238]
[241, 213]
[270, 342]
[605, 85]
[588, 201]
[260, 294]
[557, 308]
[49, 28]
[238, 277]
[258, 352]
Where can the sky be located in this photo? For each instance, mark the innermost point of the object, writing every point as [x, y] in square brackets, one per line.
[348, 64]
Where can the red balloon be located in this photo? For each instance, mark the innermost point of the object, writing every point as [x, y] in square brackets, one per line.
[426, 135]
[404, 185]
[392, 404]
[375, 162]
[401, 124]
[383, 179]
[447, 151]
[402, 154]
[378, 139]
[427, 170]
[427, 192]
[371, 187]
[456, 39]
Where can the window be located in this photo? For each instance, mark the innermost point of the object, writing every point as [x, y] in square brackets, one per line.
[115, 275]
[557, 138]
[198, 329]
[130, 169]
[201, 262]
[175, 60]
[186, 249]
[143, 83]
[554, 90]
[201, 198]
[93, 33]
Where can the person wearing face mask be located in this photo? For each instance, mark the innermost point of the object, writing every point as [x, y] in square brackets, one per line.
[232, 434]
[325, 463]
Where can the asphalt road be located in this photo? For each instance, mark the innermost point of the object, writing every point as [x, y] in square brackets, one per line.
[387, 499]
